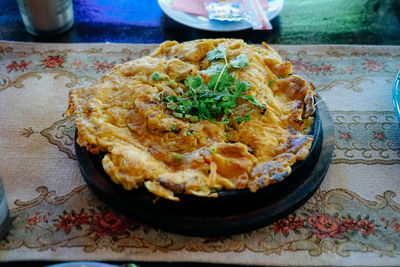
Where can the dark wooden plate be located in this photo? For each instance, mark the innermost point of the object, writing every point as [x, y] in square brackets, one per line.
[234, 211]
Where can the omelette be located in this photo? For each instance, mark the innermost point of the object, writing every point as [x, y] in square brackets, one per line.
[196, 118]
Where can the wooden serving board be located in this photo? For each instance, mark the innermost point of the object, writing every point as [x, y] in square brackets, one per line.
[233, 212]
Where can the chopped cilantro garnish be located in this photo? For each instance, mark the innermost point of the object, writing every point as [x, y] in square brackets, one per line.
[178, 115]
[202, 189]
[246, 118]
[213, 101]
[240, 62]
[220, 81]
[173, 128]
[193, 118]
[171, 105]
[271, 82]
[213, 69]
[214, 189]
[227, 135]
[212, 149]
[177, 156]
[155, 76]
[217, 53]
[253, 100]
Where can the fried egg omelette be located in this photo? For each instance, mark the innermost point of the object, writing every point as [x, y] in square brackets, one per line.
[196, 118]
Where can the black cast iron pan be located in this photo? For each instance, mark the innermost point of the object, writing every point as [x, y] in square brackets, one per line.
[233, 211]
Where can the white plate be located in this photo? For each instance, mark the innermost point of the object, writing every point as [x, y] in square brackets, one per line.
[83, 264]
[203, 23]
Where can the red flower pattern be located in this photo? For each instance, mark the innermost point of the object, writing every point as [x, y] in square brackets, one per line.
[108, 223]
[21, 66]
[103, 66]
[345, 135]
[284, 225]
[322, 226]
[324, 68]
[300, 67]
[53, 62]
[71, 220]
[325, 225]
[78, 65]
[373, 65]
[349, 224]
[386, 223]
[34, 220]
[303, 67]
[379, 135]
[366, 227]
[391, 223]
[396, 227]
[350, 69]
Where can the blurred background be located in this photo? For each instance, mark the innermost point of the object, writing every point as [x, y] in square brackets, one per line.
[300, 22]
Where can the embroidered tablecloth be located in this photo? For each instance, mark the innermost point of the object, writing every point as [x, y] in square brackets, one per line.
[353, 219]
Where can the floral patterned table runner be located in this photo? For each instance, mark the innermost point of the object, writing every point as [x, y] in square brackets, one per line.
[353, 219]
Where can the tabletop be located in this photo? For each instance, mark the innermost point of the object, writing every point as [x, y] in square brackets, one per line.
[348, 49]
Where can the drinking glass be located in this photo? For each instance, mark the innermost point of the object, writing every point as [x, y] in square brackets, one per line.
[5, 220]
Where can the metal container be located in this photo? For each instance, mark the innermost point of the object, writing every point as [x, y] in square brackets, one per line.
[46, 17]
[5, 220]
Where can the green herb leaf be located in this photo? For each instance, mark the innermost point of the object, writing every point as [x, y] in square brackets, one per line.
[177, 156]
[253, 100]
[218, 97]
[178, 115]
[217, 53]
[155, 76]
[241, 87]
[173, 128]
[247, 117]
[171, 105]
[212, 149]
[193, 118]
[271, 82]
[214, 189]
[220, 81]
[194, 82]
[214, 69]
[240, 62]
